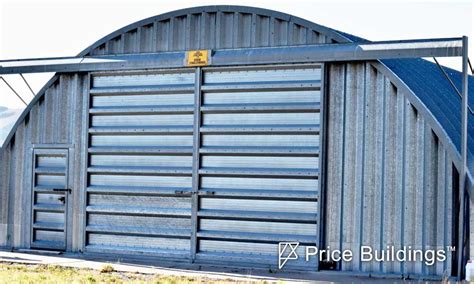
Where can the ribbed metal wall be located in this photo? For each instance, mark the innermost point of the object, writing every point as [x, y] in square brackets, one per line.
[385, 183]
[212, 30]
[55, 120]
[389, 179]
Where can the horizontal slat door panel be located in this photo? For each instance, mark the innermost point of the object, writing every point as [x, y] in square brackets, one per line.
[178, 247]
[253, 162]
[129, 79]
[258, 98]
[140, 163]
[252, 140]
[140, 181]
[163, 161]
[142, 100]
[50, 161]
[49, 217]
[48, 198]
[142, 140]
[257, 227]
[261, 119]
[50, 169]
[49, 236]
[245, 253]
[260, 183]
[283, 206]
[261, 75]
[130, 222]
[259, 161]
[139, 201]
[50, 180]
[141, 120]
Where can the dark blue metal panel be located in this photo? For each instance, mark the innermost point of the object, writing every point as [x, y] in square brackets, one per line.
[426, 80]
[428, 83]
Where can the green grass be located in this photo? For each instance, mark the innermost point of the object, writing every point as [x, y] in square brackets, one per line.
[21, 273]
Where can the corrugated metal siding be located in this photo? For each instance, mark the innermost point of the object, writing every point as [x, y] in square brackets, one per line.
[354, 192]
[209, 30]
[4, 204]
[389, 178]
[53, 120]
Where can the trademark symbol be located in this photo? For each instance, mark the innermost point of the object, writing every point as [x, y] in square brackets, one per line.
[451, 248]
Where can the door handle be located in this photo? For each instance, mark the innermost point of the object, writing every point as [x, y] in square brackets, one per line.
[182, 193]
[68, 190]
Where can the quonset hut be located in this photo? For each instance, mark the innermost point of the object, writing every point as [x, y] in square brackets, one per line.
[216, 165]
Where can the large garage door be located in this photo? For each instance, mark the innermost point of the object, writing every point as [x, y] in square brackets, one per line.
[214, 165]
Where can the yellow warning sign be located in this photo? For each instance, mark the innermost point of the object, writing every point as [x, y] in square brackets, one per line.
[198, 58]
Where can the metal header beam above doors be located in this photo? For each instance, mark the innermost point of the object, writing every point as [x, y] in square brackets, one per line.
[231, 57]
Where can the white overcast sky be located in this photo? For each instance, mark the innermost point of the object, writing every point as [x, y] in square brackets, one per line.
[64, 28]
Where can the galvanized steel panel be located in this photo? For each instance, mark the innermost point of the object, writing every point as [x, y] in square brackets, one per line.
[139, 180]
[125, 243]
[258, 205]
[257, 254]
[140, 210]
[48, 120]
[49, 207]
[151, 197]
[141, 161]
[49, 180]
[388, 179]
[45, 237]
[52, 119]
[247, 183]
[261, 119]
[263, 97]
[47, 198]
[147, 79]
[57, 119]
[106, 221]
[242, 248]
[49, 217]
[141, 140]
[252, 140]
[257, 227]
[119, 100]
[256, 162]
[249, 214]
[50, 161]
[141, 120]
[262, 75]
[131, 200]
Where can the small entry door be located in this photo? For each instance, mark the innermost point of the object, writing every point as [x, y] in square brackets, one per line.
[50, 194]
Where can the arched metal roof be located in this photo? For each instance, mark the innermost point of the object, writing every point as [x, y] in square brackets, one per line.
[332, 35]
[433, 94]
